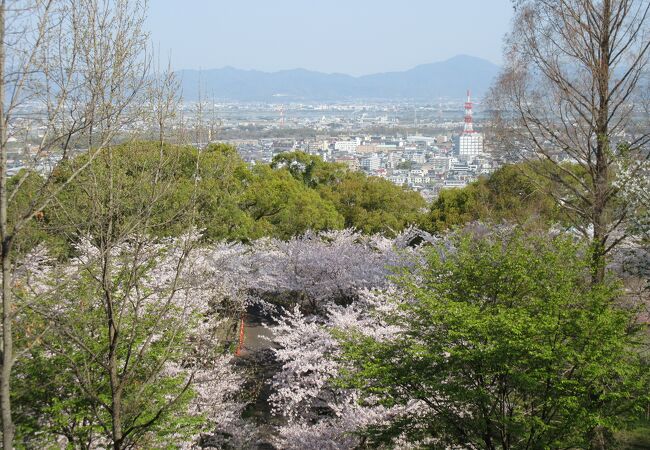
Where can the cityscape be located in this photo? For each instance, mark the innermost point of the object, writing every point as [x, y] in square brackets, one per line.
[423, 147]
[332, 225]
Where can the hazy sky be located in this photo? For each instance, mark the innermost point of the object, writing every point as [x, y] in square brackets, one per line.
[347, 36]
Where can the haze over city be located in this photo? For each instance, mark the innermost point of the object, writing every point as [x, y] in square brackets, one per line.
[351, 37]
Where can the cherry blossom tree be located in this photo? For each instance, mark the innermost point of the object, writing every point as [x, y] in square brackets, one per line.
[72, 74]
[316, 270]
[178, 305]
[318, 413]
[176, 375]
[634, 183]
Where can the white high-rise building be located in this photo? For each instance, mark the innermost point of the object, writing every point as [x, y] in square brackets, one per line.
[470, 143]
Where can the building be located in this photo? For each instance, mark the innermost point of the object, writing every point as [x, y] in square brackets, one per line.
[350, 161]
[417, 156]
[430, 141]
[455, 183]
[371, 163]
[398, 179]
[346, 146]
[376, 148]
[470, 143]
[440, 164]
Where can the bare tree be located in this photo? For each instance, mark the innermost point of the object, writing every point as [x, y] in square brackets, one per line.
[71, 72]
[569, 97]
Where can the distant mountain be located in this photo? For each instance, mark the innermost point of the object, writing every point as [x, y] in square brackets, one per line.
[427, 82]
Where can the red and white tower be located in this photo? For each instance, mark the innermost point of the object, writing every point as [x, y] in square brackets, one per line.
[469, 120]
[470, 143]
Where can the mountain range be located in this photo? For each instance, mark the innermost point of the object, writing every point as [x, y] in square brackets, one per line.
[427, 82]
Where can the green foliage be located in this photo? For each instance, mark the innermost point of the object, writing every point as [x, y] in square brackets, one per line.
[406, 165]
[310, 169]
[28, 186]
[231, 201]
[506, 344]
[62, 386]
[369, 204]
[227, 199]
[374, 205]
[513, 194]
[454, 207]
[637, 438]
[283, 207]
[223, 181]
[121, 185]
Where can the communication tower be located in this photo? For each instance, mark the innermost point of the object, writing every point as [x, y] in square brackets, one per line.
[469, 119]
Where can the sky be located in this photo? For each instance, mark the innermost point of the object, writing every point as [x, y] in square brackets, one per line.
[355, 37]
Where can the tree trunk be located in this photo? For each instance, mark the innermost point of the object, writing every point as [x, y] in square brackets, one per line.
[5, 261]
[601, 177]
[111, 320]
[116, 395]
[7, 338]
[116, 385]
[113, 336]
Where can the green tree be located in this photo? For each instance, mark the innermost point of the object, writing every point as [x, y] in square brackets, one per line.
[283, 207]
[310, 169]
[228, 200]
[112, 316]
[120, 320]
[513, 194]
[89, 81]
[121, 184]
[35, 230]
[573, 76]
[373, 204]
[65, 388]
[506, 344]
[224, 179]
[455, 207]
[369, 204]
[406, 165]
[215, 194]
